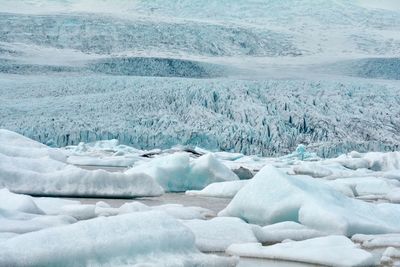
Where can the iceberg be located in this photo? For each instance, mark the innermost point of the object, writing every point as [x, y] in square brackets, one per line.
[32, 168]
[221, 189]
[178, 173]
[329, 251]
[279, 232]
[273, 196]
[217, 234]
[151, 237]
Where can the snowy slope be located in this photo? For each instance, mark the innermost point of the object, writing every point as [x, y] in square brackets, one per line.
[273, 73]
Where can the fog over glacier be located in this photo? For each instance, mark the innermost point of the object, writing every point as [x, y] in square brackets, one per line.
[256, 77]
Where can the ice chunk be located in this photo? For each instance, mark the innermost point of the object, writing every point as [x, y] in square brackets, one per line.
[272, 196]
[79, 212]
[176, 173]
[219, 233]
[329, 251]
[221, 189]
[53, 206]
[279, 232]
[377, 241]
[185, 213]
[376, 161]
[111, 161]
[227, 155]
[132, 207]
[389, 254]
[362, 186]
[20, 223]
[17, 202]
[6, 235]
[16, 145]
[312, 169]
[32, 174]
[393, 174]
[136, 238]
[393, 195]
[72, 181]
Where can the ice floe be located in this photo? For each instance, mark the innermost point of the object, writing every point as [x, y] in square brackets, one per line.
[273, 196]
[221, 189]
[278, 232]
[177, 172]
[217, 234]
[150, 237]
[41, 171]
[329, 250]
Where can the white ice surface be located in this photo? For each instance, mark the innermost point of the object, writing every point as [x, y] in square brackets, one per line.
[278, 232]
[329, 250]
[217, 234]
[221, 189]
[377, 241]
[29, 167]
[177, 172]
[152, 238]
[17, 202]
[391, 256]
[272, 196]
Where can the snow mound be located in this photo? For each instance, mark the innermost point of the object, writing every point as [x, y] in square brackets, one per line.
[272, 196]
[217, 234]
[329, 251]
[39, 172]
[221, 189]
[177, 173]
[144, 237]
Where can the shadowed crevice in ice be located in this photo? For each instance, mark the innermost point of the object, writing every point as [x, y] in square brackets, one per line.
[127, 66]
[153, 66]
[14, 67]
[377, 68]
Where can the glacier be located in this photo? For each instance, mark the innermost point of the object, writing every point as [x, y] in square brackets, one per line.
[225, 76]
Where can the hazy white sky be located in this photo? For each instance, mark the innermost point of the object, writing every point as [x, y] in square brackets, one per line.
[384, 4]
